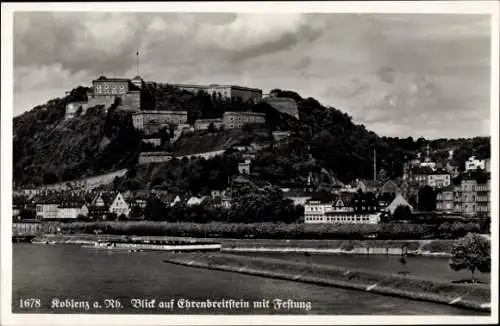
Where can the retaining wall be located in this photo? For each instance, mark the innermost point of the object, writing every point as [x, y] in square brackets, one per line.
[475, 296]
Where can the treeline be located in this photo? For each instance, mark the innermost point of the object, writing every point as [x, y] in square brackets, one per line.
[269, 230]
[250, 204]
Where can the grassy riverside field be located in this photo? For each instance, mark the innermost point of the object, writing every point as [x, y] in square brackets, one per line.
[471, 296]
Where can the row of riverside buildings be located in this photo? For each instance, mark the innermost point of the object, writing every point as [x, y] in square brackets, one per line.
[359, 202]
[103, 205]
[466, 193]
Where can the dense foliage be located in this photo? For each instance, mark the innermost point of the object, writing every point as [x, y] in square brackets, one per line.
[48, 149]
[472, 253]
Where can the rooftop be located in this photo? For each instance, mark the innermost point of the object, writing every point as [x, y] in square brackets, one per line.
[244, 113]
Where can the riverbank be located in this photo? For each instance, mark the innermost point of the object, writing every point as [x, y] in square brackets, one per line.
[433, 248]
[291, 231]
[470, 296]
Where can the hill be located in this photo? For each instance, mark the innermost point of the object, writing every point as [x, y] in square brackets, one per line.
[48, 149]
[324, 140]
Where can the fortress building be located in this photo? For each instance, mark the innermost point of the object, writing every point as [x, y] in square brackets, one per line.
[107, 91]
[126, 93]
[232, 120]
[231, 92]
[153, 121]
[284, 105]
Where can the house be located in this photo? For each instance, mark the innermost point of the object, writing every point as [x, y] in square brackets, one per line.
[439, 179]
[316, 207]
[474, 163]
[176, 200]
[46, 207]
[100, 204]
[329, 208]
[194, 201]
[244, 167]
[297, 195]
[71, 210]
[226, 202]
[365, 185]
[390, 187]
[445, 199]
[217, 193]
[472, 196]
[398, 201]
[119, 206]
[385, 199]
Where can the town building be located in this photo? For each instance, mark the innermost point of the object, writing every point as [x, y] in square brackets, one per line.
[330, 208]
[26, 227]
[474, 163]
[399, 200]
[119, 206]
[284, 105]
[203, 124]
[72, 210]
[244, 167]
[152, 141]
[390, 187]
[297, 195]
[193, 200]
[445, 199]
[439, 179]
[46, 207]
[233, 120]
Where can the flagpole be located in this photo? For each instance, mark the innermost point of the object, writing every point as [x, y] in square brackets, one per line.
[137, 54]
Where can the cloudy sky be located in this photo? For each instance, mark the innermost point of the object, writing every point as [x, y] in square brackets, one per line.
[399, 74]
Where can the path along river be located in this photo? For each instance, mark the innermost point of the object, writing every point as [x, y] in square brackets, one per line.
[47, 272]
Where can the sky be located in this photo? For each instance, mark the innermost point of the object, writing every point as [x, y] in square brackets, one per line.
[398, 74]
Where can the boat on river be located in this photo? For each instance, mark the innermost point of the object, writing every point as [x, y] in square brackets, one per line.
[136, 244]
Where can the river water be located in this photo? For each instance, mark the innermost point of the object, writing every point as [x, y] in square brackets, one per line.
[421, 266]
[46, 272]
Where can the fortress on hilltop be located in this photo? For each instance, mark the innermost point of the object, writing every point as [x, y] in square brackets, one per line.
[125, 94]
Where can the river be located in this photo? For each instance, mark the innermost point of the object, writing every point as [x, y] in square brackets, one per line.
[436, 268]
[46, 272]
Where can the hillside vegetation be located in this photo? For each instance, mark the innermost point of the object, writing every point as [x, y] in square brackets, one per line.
[47, 149]
[324, 140]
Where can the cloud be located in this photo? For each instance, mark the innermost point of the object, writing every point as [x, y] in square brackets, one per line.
[401, 74]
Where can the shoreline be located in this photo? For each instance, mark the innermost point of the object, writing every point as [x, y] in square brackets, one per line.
[346, 247]
[473, 297]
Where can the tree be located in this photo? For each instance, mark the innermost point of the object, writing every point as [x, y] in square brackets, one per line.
[135, 212]
[155, 209]
[27, 214]
[211, 128]
[81, 218]
[402, 212]
[426, 199]
[471, 252]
